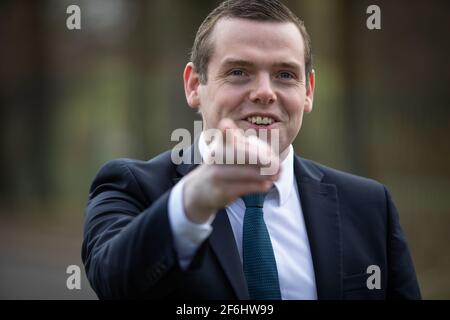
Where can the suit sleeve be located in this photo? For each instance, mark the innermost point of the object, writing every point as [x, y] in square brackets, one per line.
[402, 281]
[128, 249]
[188, 236]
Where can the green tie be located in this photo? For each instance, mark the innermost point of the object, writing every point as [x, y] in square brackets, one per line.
[260, 267]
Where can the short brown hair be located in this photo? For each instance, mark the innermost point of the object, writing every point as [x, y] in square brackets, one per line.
[258, 10]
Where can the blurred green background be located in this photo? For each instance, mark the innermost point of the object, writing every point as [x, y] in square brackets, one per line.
[72, 100]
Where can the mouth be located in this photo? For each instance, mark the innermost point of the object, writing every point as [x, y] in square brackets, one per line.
[261, 121]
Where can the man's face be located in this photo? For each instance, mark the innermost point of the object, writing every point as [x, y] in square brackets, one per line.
[257, 69]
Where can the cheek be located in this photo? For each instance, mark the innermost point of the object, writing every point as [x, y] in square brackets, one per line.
[294, 106]
[228, 98]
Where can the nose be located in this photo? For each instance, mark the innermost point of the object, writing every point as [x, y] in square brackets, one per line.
[262, 93]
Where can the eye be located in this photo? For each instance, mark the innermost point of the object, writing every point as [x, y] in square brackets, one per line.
[286, 75]
[236, 73]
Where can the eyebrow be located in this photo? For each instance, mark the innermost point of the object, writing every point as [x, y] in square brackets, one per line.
[229, 62]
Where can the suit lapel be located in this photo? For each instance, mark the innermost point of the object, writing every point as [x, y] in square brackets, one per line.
[224, 246]
[320, 209]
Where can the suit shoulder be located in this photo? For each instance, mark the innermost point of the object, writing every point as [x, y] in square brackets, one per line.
[344, 179]
[160, 162]
[129, 170]
[356, 194]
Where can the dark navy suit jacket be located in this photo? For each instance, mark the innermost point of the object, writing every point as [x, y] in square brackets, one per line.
[128, 249]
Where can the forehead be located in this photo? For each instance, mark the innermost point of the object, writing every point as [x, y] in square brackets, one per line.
[256, 41]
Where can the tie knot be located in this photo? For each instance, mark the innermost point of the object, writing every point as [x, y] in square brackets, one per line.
[254, 200]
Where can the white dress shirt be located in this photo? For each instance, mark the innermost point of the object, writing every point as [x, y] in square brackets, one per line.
[283, 216]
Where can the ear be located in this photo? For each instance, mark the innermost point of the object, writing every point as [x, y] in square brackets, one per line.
[191, 85]
[310, 92]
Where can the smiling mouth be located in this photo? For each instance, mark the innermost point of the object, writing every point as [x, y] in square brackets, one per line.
[261, 121]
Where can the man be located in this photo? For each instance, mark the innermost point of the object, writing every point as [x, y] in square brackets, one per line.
[156, 229]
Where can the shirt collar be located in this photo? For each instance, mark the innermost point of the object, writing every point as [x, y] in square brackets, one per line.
[284, 185]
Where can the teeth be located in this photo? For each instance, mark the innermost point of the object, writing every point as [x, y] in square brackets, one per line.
[260, 120]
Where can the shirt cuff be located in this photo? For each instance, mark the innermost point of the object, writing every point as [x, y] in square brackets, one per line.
[188, 236]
